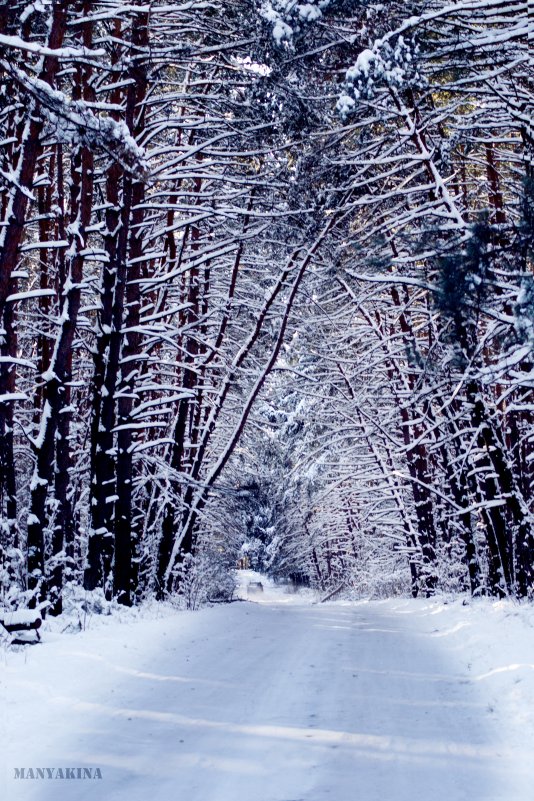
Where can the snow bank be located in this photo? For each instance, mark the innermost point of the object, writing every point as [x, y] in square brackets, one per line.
[494, 641]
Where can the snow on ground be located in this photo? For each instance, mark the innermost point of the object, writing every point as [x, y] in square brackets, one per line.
[278, 699]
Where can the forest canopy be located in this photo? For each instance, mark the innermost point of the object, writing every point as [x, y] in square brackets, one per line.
[266, 294]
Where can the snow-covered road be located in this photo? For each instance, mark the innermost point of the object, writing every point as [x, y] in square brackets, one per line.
[280, 700]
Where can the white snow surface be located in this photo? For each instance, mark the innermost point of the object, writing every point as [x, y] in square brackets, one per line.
[277, 699]
[22, 617]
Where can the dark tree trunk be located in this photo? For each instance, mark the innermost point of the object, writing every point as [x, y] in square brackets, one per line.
[124, 523]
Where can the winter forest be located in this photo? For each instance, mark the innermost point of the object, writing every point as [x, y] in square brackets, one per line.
[266, 298]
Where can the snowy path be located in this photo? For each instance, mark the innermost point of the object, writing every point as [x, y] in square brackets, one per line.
[271, 701]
